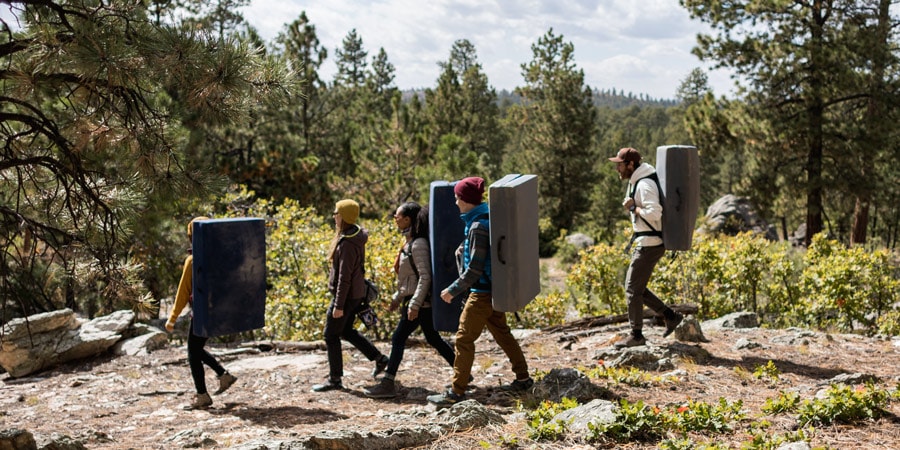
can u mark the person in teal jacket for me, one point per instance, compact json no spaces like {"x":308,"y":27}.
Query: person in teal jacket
{"x":478,"y":313}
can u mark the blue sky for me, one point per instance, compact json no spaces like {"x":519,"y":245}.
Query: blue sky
{"x":639,"y":46}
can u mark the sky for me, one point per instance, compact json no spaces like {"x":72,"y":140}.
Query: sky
{"x":636,"y":46}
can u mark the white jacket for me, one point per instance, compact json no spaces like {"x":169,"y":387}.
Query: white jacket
{"x":647,"y":198}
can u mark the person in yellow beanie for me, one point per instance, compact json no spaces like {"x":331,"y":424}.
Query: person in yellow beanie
{"x":197,"y":354}
{"x":346,"y":283}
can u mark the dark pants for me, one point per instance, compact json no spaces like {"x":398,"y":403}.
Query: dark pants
{"x":335,"y":329}
{"x":197,"y":356}
{"x":643,"y":260}
{"x":406,"y":327}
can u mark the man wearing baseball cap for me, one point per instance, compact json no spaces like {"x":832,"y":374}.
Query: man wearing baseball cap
{"x":644,"y":205}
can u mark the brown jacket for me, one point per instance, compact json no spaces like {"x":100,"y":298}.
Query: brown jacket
{"x":346,"y":279}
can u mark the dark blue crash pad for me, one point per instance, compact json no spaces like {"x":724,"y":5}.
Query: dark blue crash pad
{"x":446,"y":232}
{"x":229,"y":279}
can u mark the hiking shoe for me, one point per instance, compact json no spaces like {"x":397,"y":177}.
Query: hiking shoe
{"x":225,"y":382}
{"x":518,"y":385}
{"x":201,"y":401}
{"x":672,"y":323}
{"x":631,"y":342}
{"x":329,"y":385}
{"x":380,"y":365}
{"x":446,"y":399}
{"x":385,"y":389}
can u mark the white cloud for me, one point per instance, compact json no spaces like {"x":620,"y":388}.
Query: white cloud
{"x":640,"y":46}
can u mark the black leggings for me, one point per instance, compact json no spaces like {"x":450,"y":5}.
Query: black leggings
{"x":197,"y":356}
{"x":406,"y":327}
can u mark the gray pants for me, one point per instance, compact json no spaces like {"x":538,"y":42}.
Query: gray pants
{"x":643,"y":260}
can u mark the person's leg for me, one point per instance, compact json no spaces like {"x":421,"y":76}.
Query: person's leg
{"x":502,"y":334}
{"x":354,"y":337}
{"x":650,"y":256}
{"x":426,"y":321}
{"x":195,"y":359}
{"x":471,"y":324}
{"x":332,"y":335}
{"x":642,"y":262}
{"x":398,"y":342}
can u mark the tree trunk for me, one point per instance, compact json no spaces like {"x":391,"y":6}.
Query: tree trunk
{"x":860,"y":221}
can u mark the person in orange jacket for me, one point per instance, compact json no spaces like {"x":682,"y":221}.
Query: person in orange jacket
{"x":197,"y":354}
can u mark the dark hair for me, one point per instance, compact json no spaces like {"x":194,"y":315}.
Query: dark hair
{"x":420,"y":224}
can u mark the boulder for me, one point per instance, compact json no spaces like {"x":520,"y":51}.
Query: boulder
{"x":14,"y":439}
{"x":594,"y":412}
{"x":41,"y":341}
{"x":569,"y":383}
{"x":741,"y":319}
{"x":732,"y":215}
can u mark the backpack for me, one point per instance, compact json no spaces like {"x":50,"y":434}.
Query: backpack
{"x":677,"y":179}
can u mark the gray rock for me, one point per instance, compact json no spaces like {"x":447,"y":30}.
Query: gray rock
{"x":569,"y":383}
{"x":801,"y":445}
{"x":142,"y":344}
{"x":466,"y":414}
{"x":746,"y":344}
{"x":732,"y":215}
{"x":45,"y":340}
{"x":59,"y":442}
{"x":580,"y":241}
{"x":734,"y":320}
{"x":851,"y":379}
{"x":596,"y":412}
{"x":689,"y":330}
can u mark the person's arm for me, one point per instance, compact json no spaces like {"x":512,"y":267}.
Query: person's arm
{"x":647,"y":202}
{"x":183,"y":294}
{"x":421,"y":258}
{"x":479,"y":252}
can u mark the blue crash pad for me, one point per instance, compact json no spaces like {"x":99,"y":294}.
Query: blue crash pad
{"x":446,"y":232}
{"x":229,"y":279}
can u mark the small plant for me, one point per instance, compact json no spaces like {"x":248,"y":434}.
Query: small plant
{"x":786,"y":402}
{"x":634,"y":421}
{"x":844,"y":404}
{"x":701,"y":416}
{"x":768,"y":371}
{"x":542,"y":427}
{"x":630,"y":376}
{"x":762,"y":440}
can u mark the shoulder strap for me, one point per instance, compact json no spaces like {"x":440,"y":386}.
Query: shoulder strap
{"x":655,"y":232}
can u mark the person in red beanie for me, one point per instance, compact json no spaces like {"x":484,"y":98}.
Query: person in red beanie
{"x":478,"y":313}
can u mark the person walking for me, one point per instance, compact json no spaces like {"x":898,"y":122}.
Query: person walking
{"x":197,"y":354}
{"x":478,"y":312}
{"x":346,"y":283}
{"x":642,"y":201}
{"x":413,"y":295}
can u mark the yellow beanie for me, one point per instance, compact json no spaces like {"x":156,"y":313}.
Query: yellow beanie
{"x":191,"y":225}
{"x":348,"y":209}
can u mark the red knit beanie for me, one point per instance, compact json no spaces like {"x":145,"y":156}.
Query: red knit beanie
{"x":470,"y":190}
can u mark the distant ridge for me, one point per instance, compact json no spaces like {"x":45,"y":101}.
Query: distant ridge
{"x":611,"y":98}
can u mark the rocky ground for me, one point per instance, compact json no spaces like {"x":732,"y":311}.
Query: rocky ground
{"x":135,"y":401}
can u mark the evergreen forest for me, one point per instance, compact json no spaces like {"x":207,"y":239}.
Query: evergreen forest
{"x":121,"y":120}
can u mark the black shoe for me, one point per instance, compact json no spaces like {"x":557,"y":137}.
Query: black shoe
{"x":385,"y":389}
{"x":632,"y":341}
{"x":446,"y":399}
{"x":329,"y":385}
{"x":518,"y":385}
{"x":380,"y":365}
{"x":672,"y":323}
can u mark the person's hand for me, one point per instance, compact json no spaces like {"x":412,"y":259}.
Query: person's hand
{"x":337,"y":313}
{"x":170,"y":327}
{"x":412,"y":314}
{"x":446,"y":296}
{"x":628,"y":203}
{"x":394,"y":305}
